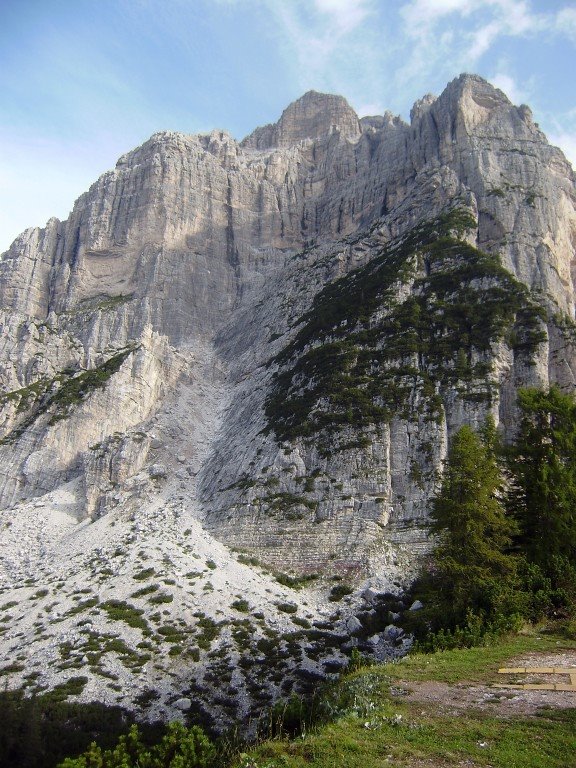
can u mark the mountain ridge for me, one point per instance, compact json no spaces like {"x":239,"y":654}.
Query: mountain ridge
{"x":265,"y":346}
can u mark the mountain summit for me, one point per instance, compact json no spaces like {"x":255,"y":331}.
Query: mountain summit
{"x":312,"y":116}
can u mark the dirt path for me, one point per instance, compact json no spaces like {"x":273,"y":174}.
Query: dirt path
{"x":506,"y":702}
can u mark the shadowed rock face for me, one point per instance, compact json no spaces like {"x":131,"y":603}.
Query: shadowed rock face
{"x":200,"y":259}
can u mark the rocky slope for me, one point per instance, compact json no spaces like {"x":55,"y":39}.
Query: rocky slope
{"x":264,"y":345}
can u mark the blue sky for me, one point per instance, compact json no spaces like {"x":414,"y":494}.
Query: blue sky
{"x":82,"y":81}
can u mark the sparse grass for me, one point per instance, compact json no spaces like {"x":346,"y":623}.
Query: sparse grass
{"x":479,"y":664}
{"x":295,"y":582}
{"x":72,"y":687}
{"x":209,"y":631}
{"x":82,"y":606}
{"x":11,"y":669}
{"x":146,"y":590}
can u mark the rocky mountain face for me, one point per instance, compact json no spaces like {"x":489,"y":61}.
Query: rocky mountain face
{"x":264,"y":346}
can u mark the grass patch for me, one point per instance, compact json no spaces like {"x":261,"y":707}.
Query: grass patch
{"x":362,"y":722}
{"x":339,"y":591}
{"x":146,"y":590}
{"x":159,"y":599}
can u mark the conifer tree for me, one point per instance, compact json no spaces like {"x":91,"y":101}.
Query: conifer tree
{"x":542,"y":496}
{"x":471,"y":572}
{"x":543,"y":469}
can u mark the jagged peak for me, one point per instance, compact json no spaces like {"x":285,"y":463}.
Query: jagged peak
{"x":311,"y":116}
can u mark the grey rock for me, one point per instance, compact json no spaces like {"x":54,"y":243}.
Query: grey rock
{"x":392,"y":632}
{"x":353,"y":625}
{"x":417,"y":605}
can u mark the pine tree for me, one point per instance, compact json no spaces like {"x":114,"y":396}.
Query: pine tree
{"x":543,"y":469}
{"x":471,"y":571}
{"x":542,"y":494}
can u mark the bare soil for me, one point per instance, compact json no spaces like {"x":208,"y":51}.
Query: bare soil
{"x":505,"y":702}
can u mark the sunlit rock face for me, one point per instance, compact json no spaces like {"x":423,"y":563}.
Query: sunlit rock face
{"x":276,"y":339}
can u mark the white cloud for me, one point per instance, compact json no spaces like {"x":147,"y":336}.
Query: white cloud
{"x":566,"y":140}
{"x":370,"y":108}
{"x":456,"y":35}
{"x":506,"y":17}
{"x":419,"y":15}
{"x":329,"y":44}
{"x":510,"y":87}
{"x":345,"y":15}
{"x":561,"y":131}
{"x":566,"y":22}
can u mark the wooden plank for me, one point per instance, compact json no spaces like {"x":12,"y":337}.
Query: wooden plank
{"x":538,"y":670}
{"x":541,"y":670}
{"x":512,"y":671}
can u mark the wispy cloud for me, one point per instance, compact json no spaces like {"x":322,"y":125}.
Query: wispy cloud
{"x":516,"y":93}
{"x":566,"y":140}
{"x":344,"y":15}
{"x":316,"y":30}
{"x":563,"y":134}
{"x":480,"y":24}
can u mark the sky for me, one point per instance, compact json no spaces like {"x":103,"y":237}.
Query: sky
{"x":83,"y":81}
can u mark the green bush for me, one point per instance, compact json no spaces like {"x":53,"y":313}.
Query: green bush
{"x":180,"y":748}
{"x":339,"y":591}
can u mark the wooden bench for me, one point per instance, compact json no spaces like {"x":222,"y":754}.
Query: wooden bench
{"x":570,"y":671}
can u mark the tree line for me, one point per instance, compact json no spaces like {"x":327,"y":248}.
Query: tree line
{"x":504,"y":522}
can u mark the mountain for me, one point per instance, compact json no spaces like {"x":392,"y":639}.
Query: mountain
{"x":235,"y":370}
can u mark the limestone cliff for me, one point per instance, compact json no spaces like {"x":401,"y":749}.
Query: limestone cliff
{"x":275,"y":339}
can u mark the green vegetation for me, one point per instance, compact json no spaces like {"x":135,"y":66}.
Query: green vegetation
{"x":72,"y":687}
{"x":295,"y":582}
{"x":209,"y":631}
{"x":75,"y":389}
{"x":543,"y":466}
{"x":361,"y":352}
{"x":287,"y":607}
{"x":161,"y":597}
{"x":339,"y":591}
{"x":40,"y":731}
{"x":144,"y":574}
{"x":179,"y":748}
{"x":367,"y":720}
{"x":471,"y":572}
{"x":241,"y":605}
{"x":118,"y":610}
{"x":59,"y":394}
{"x":501,"y":558}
